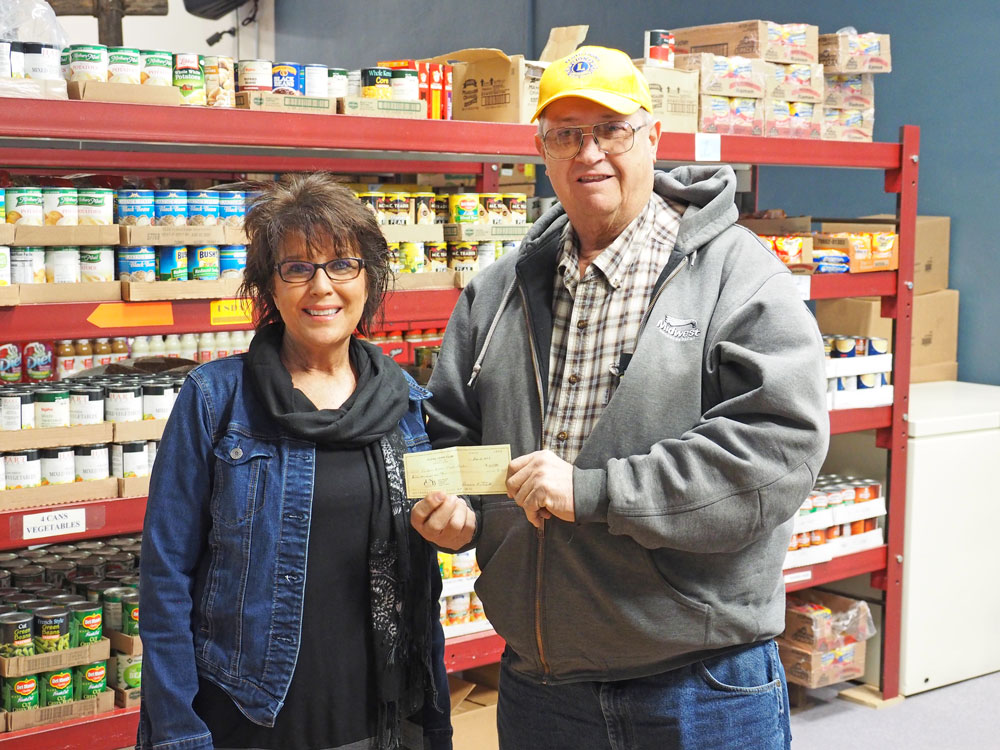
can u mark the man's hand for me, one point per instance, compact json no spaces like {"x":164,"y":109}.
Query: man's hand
{"x":541,"y":483}
{"x":445,"y":521}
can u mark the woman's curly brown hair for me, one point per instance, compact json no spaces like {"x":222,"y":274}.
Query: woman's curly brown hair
{"x":325,"y":214}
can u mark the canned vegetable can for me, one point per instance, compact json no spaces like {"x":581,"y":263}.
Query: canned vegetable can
{"x":51,"y":629}
{"x":156,"y":67}
{"x":128,"y":671}
{"x":15,"y":634}
{"x":86,"y":623}
{"x":90,"y":680}
{"x":20,"y":693}
{"x":130,"y":612}
{"x":56,"y":687}
{"x":189,"y":77}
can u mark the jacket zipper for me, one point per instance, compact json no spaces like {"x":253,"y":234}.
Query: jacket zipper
{"x":659,"y":291}
{"x":540,"y":531}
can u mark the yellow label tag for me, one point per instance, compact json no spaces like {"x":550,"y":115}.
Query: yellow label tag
{"x":230,"y":312}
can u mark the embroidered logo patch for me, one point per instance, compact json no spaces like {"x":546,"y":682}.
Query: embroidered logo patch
{"x":679,"y":328}
{"x":581,"y":65}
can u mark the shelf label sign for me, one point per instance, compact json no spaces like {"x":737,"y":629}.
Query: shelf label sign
{"x":54,"y":523}
{"x":132,"y":315}
{"x":707,"y":147}
{"x":805,"y":575}
{"x":231,"y":312}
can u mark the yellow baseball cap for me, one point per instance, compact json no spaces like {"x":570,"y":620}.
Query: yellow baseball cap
{"x":600,"y":74}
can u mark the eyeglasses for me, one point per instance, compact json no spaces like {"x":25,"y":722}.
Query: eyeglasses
{"x":338,"y":269}
{"x":611,"y":137}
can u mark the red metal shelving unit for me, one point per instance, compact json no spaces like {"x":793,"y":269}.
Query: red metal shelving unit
{"x":53,"y":136}
{"x":112,"y":517}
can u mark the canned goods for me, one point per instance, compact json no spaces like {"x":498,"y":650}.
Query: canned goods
{"x":204,"y":262}
{"x":51,"y":630}
{"x":52,"y":408}
{"x":86,"y":623}
{"x":398,"y":209}
{"x":123,"y":403}
{"x":96,"y":206}
{"x":395,"y":257}
{"x":136,"y":264}
{"x":86,"y":405}
{"x":354,"y":83}
{"x":336,"y":83}
{"x":90,"y":463}
{"x":124,"y":65}
{"x":476,"y":612}
{"x":80,"y":585}
{"x":869,"y":380}
{"x":203,"y":208}
{"x":136,"y":207}
{"x":112,"y":601}
{"x":20,"y":693}
{"x":92,"y":565}
{"x":130,"y":612}
{"x":89,"y":680}
{"x":157,"y":400}
{"x":457,"y":609}
{"x":517,"y":207}
{"x":220,"y":81}
{"x":253,"y":75}
{"x":130,"y":459}
{"x":171,"y":263}
{"x":62,"y":265}
{"x":376,"y":83}
{"x":4,"y":256}
{"x":41,"y":61}
{"x":57,"y":573}
{"x":121,"y":562}
{"x":314,"y":80}
{"x":463,"y":256}
{"x":486,"y":253}
{"x":17,"y":407}
{"x":189,"y":77}
{"x":843,"y":346}
{"x":24,"y":205}
{"x":405,"y":85}
{"x":27,"y":265}
{"x":56,"y":687}
{"x":11,"y":59}
{"x":463,"y":208}
{"x":463,"y":564}
{"x":878,"y":345}
{"x":170,"y":208}
{"x":232,"y":260}
{"x":437,"y":256}
{"x":97,"y":264}
{"x":660,"y":46}
{"x":59,"y":207}
{"x":860,"y":346}
{"x":442,"y":212}
{"x":507,"y":246}
{"x":38,"y":362}
{"x":22,"y":469}
{"x":412,"y":257}
{"x":847,"y":383}
{"x":492,"y":209}
{"x":287,"y":78}
{"x":156,"y":68}
{"x":128,"y":671}
{"x":58,"y":466}
{"x":376,"y":203}
{"x":232,"y":208}
{"x":88,"y":62}
{"x":16,"y":635}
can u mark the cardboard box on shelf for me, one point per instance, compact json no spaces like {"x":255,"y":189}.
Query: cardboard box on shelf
{"x":788,"y":225}
{"x":848,"y":124}
{"x":130,"y":645}
{"x":813,"y":669}
{"x":133,"y":235}
{"x":7,"y":233}
{"x":36,"y":717}
{"x":147,"y":429}
{"x":730,"y":115}
{"x":33,"y":88}
{"x":80,"y":235}
{"x":84,"y":291}
{"x":485,"y":232}
{"x":58,"y":494}
{"x":267,"y":101}
{"x":126,"y":93}
{"x":789,"y":43}
{"x":784,"y":119}
{"x":930,"y":251}
{"x":142,"y":291}
{"x":834,"y":621}
{"x":935,"y":323}
{"x":133,"y":487}
{"x":126,"y":698}
{"x":53,"y":437}
{"x":934,"y":373}
{"x":728,"y":76}
{"x":366,"y":107}
{"x":17,"y":666}
{"x":849,"y":91}
{"x":675,"y":97}
{"x":428,"y":280}
{"x":413,"y":232}
{"x":10,"y":295}
{"x":796,"y":83}
{"x":855,"y":53}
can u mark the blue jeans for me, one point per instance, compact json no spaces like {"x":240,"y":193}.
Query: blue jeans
{"x":738,"y":701}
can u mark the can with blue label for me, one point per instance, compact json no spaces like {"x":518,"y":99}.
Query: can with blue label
{"x":232,"y":208}
{"x":136,"y":264}
{"x":170,"y":208}
{"x":847,"y":383}
{"x":232,"y":260}
{"x":171,"y":263}
{"x":203,"y":262}
{"x":878,"y":345}
{"x":136,"y":208}
{"x":203,"y":208}
{"x":287,"y":78}
{"x":869,"y":380}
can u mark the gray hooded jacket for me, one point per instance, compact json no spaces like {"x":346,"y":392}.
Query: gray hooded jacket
{"x":685,"y":489}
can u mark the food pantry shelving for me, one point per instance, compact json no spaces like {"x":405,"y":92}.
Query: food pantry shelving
{"x":49,"y":137}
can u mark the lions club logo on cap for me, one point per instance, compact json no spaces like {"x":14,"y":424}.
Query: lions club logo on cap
{"x":580,"y":66}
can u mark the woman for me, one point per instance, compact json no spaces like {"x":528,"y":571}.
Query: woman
{"x":286,"y":602}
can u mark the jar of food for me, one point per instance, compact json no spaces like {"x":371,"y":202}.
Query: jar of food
{"x":85,"y":352}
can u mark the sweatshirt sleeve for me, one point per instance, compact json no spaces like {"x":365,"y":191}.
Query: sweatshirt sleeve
{"x":747,"y":465}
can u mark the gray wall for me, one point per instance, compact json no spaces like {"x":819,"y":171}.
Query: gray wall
{"x":944,"y":80}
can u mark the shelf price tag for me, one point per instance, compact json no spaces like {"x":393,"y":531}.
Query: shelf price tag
{"x":231,"y":312}
{"x":707,"y":147}
{"x":54,"y":523}
{"x":132,"y":315}
{"x":804,"y":575}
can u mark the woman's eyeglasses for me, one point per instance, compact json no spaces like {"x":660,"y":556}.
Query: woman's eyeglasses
{"x":338,"y":269}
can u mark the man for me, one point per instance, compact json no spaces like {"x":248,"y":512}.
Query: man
{"x":662,"y":385}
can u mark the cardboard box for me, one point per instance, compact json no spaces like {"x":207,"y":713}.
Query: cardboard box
{"x":934,"y":373}
{"x":935,"y":323}
{"x":364,"y":107}
{"x":848,"y":124}
{"x":751,"y":39}
{"x":848,"y":621}
{"x":128,"y":93}
{"x":849,"y":91}
{"x":413,"y":232}
{"x":31,"y":88}
{"x":53,"y":437}
{"x":133,"y":487}
{"x":147,"y":429}
{"x":130,"y":645}
{"x":855,"y":53}
{"x":58,"y":494}
{"x":485,"y":232}
{"x":727,"y":76}
{"x":813,"y":669}
{"x":84,"y":291}
{"x":232,"y":236}
{"x":783,"y":119}
{"x":126,"y":698}
{"x":133,"y":236}
{"x":730,"y":115}
{"x":18,"y":666}
{"x":80,"y":235}
{"x":473,"y":715}
{"x":7,"y":232}
{"x":267,"y":101}
{"x":788,"y":225}
{"x":408,"y":282}
{"x":139,"y":291}
{"x":517,"y":175}
{"x":675,"y":97}
{"x":930,"y":252}
{"x":801,"y":83}
{"x":75,"y":710}
{"x":861,"y":261}
{"x":10,"y":295}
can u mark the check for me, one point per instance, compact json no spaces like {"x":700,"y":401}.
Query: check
{"x":463,"y":470}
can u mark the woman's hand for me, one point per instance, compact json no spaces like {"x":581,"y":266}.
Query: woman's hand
{"x":445,"y":521}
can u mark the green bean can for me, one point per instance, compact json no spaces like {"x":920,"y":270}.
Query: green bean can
{"x":56,"y":687}
{"x":130,"y":612}
{"x":112,"y":599}
{"x":85,"y":623}
{"x":128,"y":671}
{"x":20,"y":693}
{"x":15,"y":634}
{"x":90,"y":680}
{"x":51,"y":630}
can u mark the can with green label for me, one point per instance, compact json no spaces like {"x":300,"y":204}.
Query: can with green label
{"x":90,"y":680}
{"x":130,"y":612}
{"x":124,"y":65}
{"x":128,"y":671}
{"x":189,"y":77}
{"x":85,"y":623}
{"x":15,"y":634}
{"x":156,"y":67}
{"x":112,"y":599}
{"x":51,"y":629}
{"x":20,"y":693}
{"x":56,"y":687}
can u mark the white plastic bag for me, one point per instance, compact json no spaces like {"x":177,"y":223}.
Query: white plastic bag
{"x":31,"y":21}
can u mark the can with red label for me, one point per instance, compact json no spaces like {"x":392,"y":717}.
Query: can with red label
{"x":660,"y":46}
{"x":10,"y":363}
{"x":39,"y":361}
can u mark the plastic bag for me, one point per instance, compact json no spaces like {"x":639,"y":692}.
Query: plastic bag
{"x":31,"y":21}
{"x":824,"y":621}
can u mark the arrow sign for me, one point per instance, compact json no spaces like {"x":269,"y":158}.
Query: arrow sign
{"x":132,"y":315}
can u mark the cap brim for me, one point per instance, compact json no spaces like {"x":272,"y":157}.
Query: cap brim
{"x":621,"y":104}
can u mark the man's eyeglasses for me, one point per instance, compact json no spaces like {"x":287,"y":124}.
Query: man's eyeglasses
{"x":611,"y":137}
{"x":338,"y":269}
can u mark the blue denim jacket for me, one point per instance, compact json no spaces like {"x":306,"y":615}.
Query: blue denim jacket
{"x":224,"y":555}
